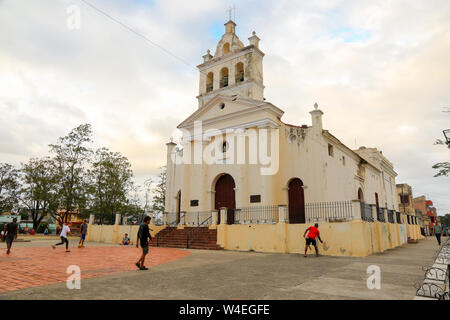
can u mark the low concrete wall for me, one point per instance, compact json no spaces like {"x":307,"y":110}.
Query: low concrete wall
{"x":115,"y":233}
{"x":356,"y":238}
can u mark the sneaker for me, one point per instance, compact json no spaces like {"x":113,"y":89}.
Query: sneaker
{"x":53,"y":246}
{"x":67,"y":250}
{"x":143,"y":268}
{"x":138,"y":265}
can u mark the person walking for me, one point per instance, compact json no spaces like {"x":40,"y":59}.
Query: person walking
{"x":142,"y":238}
{"x":10,"y":234}
{"x":63,"y":235}
{"x":311,"y":238}
{"x":437,"y":232}
{"x":83,"y":231}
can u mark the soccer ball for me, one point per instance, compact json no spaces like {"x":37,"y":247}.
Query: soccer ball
{"x":80,"y":245}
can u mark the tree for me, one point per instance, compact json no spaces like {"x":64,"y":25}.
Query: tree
{"x":443,"y":167}
{"x":159,"y":198}
{"x":445,"y":220}
{"x":9,"y":185}
{"x":111,"y":181}
{"x":71,"y":155}
{"x":38,"y":194}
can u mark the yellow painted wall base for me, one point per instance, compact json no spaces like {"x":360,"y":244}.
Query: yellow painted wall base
{"x":356,"y":238}
{"x":115,"y":233}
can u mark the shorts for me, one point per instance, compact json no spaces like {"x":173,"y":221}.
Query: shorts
{"x":9,"y":240}
{"x":145,"y":250}
{"x":310,"y":241}
{"x":83,"y":237}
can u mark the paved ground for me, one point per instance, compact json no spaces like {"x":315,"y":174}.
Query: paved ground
{"x":201,"y":274}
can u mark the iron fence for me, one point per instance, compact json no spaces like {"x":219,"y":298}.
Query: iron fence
{"x":172,"y":218}
{"x":256,"y":214}
{"x":197,"y":218}
{"x":333,"y":211}
{"x":380,"y":215}
{"x":366,"y":212}
{"x":391,"y":216}
{"x":399,"y":217}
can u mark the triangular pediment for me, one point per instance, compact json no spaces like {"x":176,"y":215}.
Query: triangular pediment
{"x":221,"y":111}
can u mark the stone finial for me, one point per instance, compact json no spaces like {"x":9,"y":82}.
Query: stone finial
{"x":254,"y":33}
{"x":316,"y":106}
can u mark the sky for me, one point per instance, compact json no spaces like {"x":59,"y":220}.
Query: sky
{"x":379,"y":70}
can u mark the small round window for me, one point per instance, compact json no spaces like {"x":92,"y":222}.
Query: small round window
{"x":222,"y":106}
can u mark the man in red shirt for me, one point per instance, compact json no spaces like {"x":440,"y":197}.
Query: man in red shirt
{"x":311,"y":238}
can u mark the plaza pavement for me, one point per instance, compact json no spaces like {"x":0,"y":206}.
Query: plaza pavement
{"x":35,"y":271}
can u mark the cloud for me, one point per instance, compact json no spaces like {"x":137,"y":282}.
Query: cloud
{"x":378,"y":69}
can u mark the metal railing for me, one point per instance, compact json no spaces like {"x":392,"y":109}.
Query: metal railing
{"x":333,"y":211}
{"x":203,"y":223}
{"x":399,"y":217}
{"x":366,"y":212}
{"x":197,"y":218}
{"x":380,"y":215}
{"x":256,"y":214}
{"x":390,"y":214}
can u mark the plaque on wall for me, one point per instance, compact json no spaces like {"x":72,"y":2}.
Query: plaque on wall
{"x":194,"y":203}
{"x":255,"y":198}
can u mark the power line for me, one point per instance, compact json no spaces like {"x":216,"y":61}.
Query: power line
{"x":136,"y":32}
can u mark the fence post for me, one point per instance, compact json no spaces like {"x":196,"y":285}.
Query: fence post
{"x":117,"y":219}
{"x":356,"y":204}
{"x":165,"y":218}
{"x":124,"y":220}
{"x":385,"y":214}
{"x":91,"y":219}
{"x":223,"y":215}
{"x":374,"y":212}
{"x":282,"y":214}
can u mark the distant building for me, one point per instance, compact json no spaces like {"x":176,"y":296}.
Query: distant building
{"x":428,"y":212}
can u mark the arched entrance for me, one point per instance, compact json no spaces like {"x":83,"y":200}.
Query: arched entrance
{"x":225,"y":196}
{"x":360,"y":195}
{"x":296,"y":201}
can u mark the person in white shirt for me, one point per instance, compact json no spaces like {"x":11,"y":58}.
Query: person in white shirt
{"x":63,"y":235}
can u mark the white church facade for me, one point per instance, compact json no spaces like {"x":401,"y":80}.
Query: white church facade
{"x":238,"y":156}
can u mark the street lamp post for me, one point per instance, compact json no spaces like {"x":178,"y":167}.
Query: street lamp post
{"x":447,"y":136}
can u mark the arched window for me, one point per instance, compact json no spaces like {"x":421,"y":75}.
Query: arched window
{"x":226,"y":48}
{"x":209,"y":82}
{"x":224,"y":77}
{"x":360,"y":195}
{"x":239,"y":72}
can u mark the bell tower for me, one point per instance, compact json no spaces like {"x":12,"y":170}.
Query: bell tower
{"x":234,"y":69}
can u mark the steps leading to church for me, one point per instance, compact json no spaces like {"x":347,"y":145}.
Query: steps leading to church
{"x":189,"y":237}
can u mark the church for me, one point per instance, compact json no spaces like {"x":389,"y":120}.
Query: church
{"x":237,"y":153}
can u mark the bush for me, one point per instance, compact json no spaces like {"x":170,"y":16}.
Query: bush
{"x":42,"y":227}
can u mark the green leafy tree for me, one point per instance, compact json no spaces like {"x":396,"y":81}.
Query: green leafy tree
{"x":111,"y":181}
{"x":71,"y":156}
{"x":38,"y":192}
{"x":159,"y":198}
{"x":442,"y":167}
{"x":9,"y":185}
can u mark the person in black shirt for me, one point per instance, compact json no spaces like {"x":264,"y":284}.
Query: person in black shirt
{"x":11,"y":234}
{"x":142,"y":237}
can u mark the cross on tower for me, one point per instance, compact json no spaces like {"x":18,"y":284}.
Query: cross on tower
{"x":232,"y":10}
